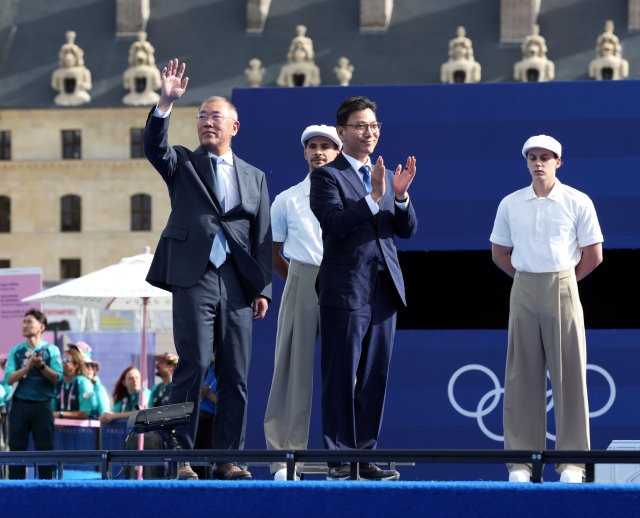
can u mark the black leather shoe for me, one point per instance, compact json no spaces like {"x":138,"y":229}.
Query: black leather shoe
{"x":230,"y":471}
{"x":373,"y":472}
{"x":341,"y":473}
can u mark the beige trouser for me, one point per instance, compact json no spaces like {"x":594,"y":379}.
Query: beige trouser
{"x":286,"y":423}
{"x":546,"y":330}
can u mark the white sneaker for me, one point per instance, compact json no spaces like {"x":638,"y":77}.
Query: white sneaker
{"x":569,"y":476}
{"x":281,"y":474}
{"x":520,"y":475}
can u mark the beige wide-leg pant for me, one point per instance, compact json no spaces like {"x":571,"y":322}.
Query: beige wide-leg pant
{"x":286,"y":423}
{"x":546,"y":330}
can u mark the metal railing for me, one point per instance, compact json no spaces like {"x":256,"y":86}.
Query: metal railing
{"x":106,"y":458}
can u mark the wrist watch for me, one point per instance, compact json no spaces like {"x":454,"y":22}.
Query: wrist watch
{"x":43,"y":366}
{"x":61,"y":414}
{"x":401,"y":201}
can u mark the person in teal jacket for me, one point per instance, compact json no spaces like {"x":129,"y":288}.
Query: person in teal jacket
{"x":101,"y":401}
{"x":126,"y":395}
{"x":165,"y":365}
{"x":33,"y":369}
{"x":74,"y":393}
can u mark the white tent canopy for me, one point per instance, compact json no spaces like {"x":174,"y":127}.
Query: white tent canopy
{"x":120,"y":286}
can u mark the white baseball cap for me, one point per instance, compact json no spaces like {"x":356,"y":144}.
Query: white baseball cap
{"x":543,"y":141}
{"x":321,"y":131}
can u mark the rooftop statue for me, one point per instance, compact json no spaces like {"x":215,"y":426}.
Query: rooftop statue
{"x":461,"y":67}
{"x":301,"y":69}
{"x":344,"y":71}
{"x":609,"y":63}
{"x":534,"y":67}
{"x":142,"y":77}
{"x":255,"y":72}
{"x":72,"y":79}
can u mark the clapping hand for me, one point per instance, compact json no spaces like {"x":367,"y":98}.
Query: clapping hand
{"x":173,"y":85}
{"x":403,"y":178}
{"x":377,"y":180}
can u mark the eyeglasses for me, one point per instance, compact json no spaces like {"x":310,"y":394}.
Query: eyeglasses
{"x":66,"y":360}
{"x":202,"y":117}
{"x":361,"y":127}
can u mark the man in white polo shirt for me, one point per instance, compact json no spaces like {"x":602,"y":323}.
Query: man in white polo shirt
{"x":547,"y":237}
{"x":296,"y":232}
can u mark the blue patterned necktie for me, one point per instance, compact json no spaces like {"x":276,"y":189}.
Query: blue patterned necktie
{"x":218,"y":253}
{"x":366,"y":176}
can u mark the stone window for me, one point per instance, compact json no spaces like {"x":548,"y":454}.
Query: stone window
{"x":140,"y":212}
{"x":137,"y":150}
{"x":5,"y":214}
{"x":72,"y":144}
{"x":5,"y":145}
{"x":69,"y":268}
{"x":5,"y":263}
{"x":70,"y":214}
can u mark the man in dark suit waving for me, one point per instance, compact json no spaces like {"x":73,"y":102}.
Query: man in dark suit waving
{"x":218,"y":204}
{"x":360,"y":209}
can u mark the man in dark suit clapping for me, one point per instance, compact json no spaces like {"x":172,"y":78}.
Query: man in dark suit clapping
{"x":219,"y":203}
{"x":360,"y":209}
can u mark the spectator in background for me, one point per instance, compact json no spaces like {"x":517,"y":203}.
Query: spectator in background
{"x":4,"y":422}
{"x":126,"y":395}
{"x":101,"y":402}
{"x":33,"y":369}
{"x":165,"y":365}
{"x":74,"y":393}
{"x":205,"y":419}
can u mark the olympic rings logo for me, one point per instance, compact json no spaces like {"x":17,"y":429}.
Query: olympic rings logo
{"x":497,"y":391}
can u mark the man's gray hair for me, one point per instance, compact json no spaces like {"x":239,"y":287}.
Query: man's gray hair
{"x":230,"y":105}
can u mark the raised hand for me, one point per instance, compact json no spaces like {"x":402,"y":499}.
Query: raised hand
{"x":403,"y":178}
{"x":377,"y":180}
{"x":173,"y":85}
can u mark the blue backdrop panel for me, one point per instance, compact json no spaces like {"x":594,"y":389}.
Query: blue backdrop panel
{"x":420,"y":412}
{"x":468,"y":141}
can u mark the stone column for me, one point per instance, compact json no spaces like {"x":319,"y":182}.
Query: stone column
{"x":257,"y":11}
{"x":634,"y":15}
{"x":516,"y":19}
{"x":131,"y":17}
{"x":375,"y":15}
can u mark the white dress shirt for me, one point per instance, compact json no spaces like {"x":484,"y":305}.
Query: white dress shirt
{"x":226,"y":171}
{"x":372,"y":204}
{"x":546,"y":233}
{"x":293,"y":224}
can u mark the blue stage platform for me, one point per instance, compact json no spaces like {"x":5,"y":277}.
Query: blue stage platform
{"x":315,"y":499}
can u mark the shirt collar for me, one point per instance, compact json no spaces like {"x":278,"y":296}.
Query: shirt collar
{"x":554,"y":194}
{"x":306,"y":185}
{"x":355,"y":163}
{"x":227,"y":157}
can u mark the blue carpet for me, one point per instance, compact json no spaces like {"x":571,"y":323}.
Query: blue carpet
{"x":315,"y":499}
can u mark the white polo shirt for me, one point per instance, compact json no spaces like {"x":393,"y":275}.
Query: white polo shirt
{"x":293,"y":224}
{"x":546,"y":233}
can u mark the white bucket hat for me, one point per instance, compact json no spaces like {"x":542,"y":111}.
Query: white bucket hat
{"x":321,"y":131}
{"x":543,"y":141}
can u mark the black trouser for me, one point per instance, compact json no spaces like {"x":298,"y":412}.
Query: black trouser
{"x":203,"y":439}
{"x":213,"y":316}
{"x":33,"y":417}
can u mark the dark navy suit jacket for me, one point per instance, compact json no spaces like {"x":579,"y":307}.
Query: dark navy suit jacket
{"x":353,"y":237}
{"x":196,"y":215}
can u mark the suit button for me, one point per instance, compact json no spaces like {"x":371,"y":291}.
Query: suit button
{"x":212,"y":235}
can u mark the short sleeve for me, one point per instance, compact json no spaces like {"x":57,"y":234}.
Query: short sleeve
{"x":279,"y":220}
{"x":151,"y":396}
{"x":104,"y":405}
{"x":501,"y":234}
{"x":55,"y":360}
{"x":588,"y":228}
{"x":85,"y":395}
{"x":117,"y":407}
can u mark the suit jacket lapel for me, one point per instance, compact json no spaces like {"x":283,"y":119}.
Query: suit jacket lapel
{"x":243,"y":182}
{"x":351,"y":175}
{"x":202,"y":165}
